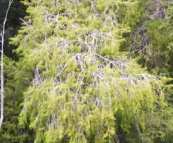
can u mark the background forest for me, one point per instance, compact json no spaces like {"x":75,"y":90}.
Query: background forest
{"x":88,"y":71}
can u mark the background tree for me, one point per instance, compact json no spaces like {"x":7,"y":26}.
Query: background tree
{"x":2,"y":63}
{"x":16,"y":78}
{"x":152,"y":41}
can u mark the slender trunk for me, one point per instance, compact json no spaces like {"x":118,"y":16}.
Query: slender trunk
{"x":2,"y":64}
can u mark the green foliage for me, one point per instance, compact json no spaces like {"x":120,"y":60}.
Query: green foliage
{"x":84,"y":89}
{"x":13,"y":23}
{"x":152,"y":40}
{"x":16,"y":81}
{"x":161,"y":38}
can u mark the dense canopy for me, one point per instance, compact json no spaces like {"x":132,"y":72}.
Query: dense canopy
{"x":87,"y":71}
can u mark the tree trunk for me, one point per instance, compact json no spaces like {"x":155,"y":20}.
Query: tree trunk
{"x":2,"y":64}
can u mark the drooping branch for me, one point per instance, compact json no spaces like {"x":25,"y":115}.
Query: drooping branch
{"x":2,"y":63}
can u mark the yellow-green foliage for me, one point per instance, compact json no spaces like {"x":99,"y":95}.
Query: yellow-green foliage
{"x":84,"y":89}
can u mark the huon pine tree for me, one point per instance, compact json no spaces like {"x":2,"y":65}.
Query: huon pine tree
{"x":84,"y":89}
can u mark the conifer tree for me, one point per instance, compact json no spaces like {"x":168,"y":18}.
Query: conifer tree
{"x":152,"y":40}
{"x":84,"y":89}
